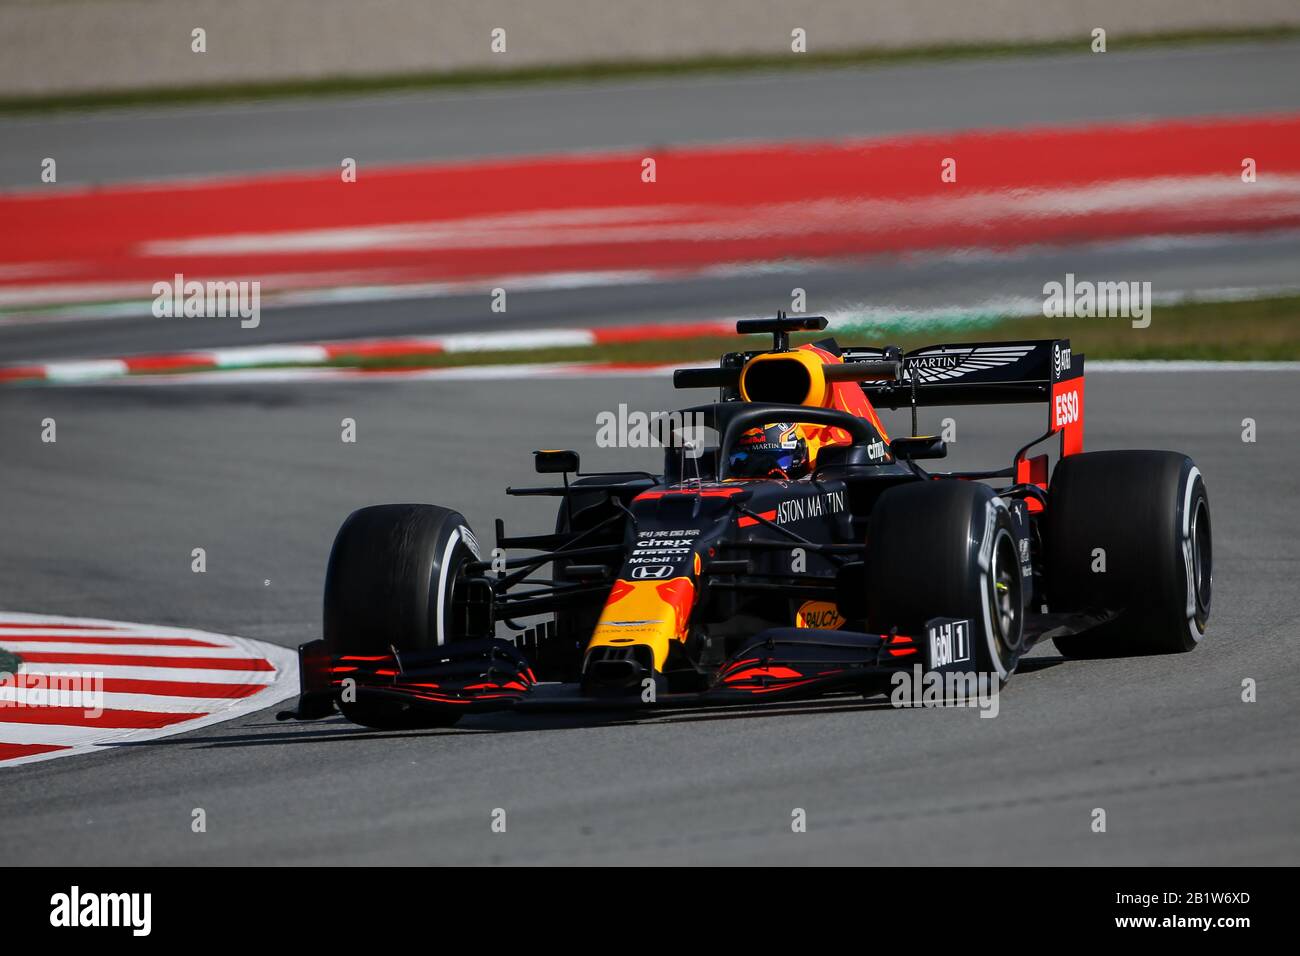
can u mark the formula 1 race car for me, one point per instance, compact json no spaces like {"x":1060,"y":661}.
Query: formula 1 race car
{"x":711,"y":583}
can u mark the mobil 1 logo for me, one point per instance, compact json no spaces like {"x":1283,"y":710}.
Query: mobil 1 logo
{"x":949,"y":641}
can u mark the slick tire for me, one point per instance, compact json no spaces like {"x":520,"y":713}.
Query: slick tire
{"x":391,"y":583}
{"x":1146,"y":515}
{"x":947,"y":549}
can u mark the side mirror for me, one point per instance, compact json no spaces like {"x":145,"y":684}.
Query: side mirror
{"x":554,"y":462}
{"x":919,"y":447}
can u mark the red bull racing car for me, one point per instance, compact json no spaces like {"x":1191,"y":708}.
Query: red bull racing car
{"x":790,"y":548}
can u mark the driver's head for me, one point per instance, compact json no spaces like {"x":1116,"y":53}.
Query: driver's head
{"x":773,"y":451}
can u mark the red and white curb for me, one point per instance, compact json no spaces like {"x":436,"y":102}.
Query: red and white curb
{"x":468,"y":373}
{"x":254,"y":356}
{"x":86,"y":684}
{"x":305,"y":362}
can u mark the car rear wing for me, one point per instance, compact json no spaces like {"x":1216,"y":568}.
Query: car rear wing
{"x":970,"y":373}
{"x":985,"y":373}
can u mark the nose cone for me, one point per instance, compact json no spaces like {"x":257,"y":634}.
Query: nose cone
{"x":644,"y":617}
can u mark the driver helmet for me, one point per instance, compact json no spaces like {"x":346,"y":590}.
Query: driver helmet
{"x":773,"y":451}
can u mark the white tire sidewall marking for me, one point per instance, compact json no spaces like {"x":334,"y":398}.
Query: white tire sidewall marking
{"x":1186,"y":545}
{"x":986,"y":573}
{"x":442,"y":584}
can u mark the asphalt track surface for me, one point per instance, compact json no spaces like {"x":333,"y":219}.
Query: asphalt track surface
{"x":103,"y":522}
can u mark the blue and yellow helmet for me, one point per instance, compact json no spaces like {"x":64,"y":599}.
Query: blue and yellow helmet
{"x":773,"y":451}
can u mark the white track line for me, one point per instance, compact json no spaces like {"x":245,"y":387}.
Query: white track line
{"x":21,"y":648}
{"x":11,"y":697}
{"x":140,"y":672}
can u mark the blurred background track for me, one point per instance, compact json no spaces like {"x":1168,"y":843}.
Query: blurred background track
{"x":936,"y":105}
{"x":146,"y":143}
{"x":101,"y":46}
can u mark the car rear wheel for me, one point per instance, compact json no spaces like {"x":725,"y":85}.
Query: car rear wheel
{"x":1129,"y":531}
{"x":391,"y":583}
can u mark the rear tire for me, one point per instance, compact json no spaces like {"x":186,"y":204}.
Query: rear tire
{"x":390,"y":584}
{"x":947,"y":549}
{"x":1149,"y":514}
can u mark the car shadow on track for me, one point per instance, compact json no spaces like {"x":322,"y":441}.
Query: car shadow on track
{"x":337,"y":730}
{"x":1032,"y":665}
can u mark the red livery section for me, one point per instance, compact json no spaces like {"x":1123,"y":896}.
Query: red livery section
{"x":707,"y":206}
{"x":1066,"y":413}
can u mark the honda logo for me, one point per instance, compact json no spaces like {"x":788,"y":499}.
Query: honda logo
{"x":655,"y":571}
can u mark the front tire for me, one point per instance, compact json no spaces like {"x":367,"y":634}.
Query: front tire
{"x":948,"y":549}
{"x":391,"y":584}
